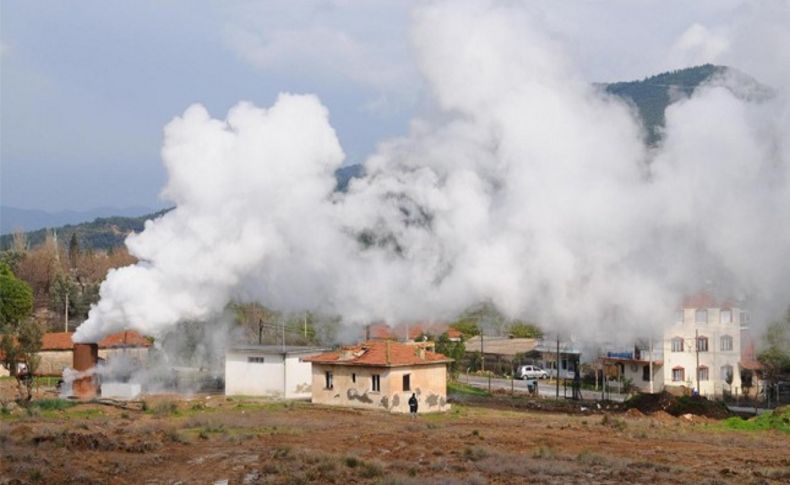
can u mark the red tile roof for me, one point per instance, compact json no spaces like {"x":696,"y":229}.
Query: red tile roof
{"x":701,"y":299}
{"x":409,"y":331}
{"x":62,"y":340}
{"x":378,"y":353}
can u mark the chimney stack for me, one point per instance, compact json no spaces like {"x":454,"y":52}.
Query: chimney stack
{"x":86,"y":356}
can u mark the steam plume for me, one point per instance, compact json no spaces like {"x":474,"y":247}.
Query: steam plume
{"x":531,"y":189}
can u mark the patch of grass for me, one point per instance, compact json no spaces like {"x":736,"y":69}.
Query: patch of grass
{"x":475,"y":453}
{"x":53,"y":404}
{"x":614,"y":423}
{"x":466,"y":390}
{"x":544,"y":452}
{"x":778,"y":419}
{"x":370,"y":470}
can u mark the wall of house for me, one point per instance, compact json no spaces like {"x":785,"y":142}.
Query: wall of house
{"x":299,"y":378}
{"x":245,"y":378}
{"x":714,"y":359}
{"x":53,"y":362}
{"x":267,"y":378}
{"x":635,"y":372}
{"x":353,"y":387}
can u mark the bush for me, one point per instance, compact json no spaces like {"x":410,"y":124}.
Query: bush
{"x":53,"y":404}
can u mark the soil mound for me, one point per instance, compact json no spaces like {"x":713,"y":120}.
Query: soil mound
{"x":678,"y":406}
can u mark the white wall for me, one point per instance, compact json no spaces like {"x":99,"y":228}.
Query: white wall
{"x":714,"y":359}
{"x":244,"y":378}
{"x":251,"y":378}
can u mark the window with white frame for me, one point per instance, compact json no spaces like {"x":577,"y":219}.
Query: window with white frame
{"x":677,"y":344}
{"x":702,"y":344}
{"x":725,"y":316}
{"x":678,"y":374}
{"x":702,"y":373}
{"x":701,"y":316}
{"x":254,"y":359}
{"x":726,"y":343}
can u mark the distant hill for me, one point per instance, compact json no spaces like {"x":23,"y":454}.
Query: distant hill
{"x":101,"y":233}
{"x":652,"y":95}
{"x":15,"y":219}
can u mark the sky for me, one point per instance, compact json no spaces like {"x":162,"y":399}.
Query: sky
{"x":87,"y":87}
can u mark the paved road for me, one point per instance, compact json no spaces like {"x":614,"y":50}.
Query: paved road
{"x":545,"y":388}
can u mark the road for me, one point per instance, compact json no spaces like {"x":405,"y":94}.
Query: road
{"x":545,"y":388}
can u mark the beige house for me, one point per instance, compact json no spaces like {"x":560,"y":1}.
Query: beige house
{"x":703,"y":347}
{"x":57,"y":350}
{"x":381,"y":375}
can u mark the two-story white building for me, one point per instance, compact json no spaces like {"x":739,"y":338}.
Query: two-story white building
{"x":702,"y":350}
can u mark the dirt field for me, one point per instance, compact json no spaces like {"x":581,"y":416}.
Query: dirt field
{"x":209,"y":439}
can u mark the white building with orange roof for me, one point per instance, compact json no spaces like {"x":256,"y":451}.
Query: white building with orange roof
{"x":381,"y":374}
{"x":702,"y":349}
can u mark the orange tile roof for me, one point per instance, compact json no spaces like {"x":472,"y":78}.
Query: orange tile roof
{"x":379,"y":354}
{"x":62,"y":340}
{"x":701,"y":299}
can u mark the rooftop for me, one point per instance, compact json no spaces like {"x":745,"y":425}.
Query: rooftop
{"x":275,"y":349}
{"x":62,"y":340}
{"x":384,"y":353}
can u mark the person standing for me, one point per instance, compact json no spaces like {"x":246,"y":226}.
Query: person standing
{"x":413,"y":405}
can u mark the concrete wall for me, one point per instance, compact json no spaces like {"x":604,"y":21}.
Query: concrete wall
{"x":53,"y":362}
{"x":714,"y":359}
{"x":268,"y":378}
{"x":353,"y":387}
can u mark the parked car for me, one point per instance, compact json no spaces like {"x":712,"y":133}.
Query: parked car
{"x":531,"y":372}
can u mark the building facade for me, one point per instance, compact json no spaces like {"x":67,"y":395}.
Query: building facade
{"x":702,"y":350}
{"x":269,"y":370}
{"x":381,"y":375}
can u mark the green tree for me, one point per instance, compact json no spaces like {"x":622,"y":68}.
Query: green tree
{"x":775,"y":356}
{"x":20,"y":348}
{"x":468,"y":328}
{"x":74,"y":251}
{"x":453,"y":349}
{"x":16,"y":298}
{"x":521,"y":329}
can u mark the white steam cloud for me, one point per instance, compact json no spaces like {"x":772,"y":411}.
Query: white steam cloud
{"x":530,"y":189}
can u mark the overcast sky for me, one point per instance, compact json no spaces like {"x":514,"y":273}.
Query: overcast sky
{"x":88,"y":86}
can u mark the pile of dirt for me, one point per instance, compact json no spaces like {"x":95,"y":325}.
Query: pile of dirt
{"x":678,"y":406}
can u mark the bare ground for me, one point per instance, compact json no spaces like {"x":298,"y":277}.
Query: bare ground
{"x":207,"y":439}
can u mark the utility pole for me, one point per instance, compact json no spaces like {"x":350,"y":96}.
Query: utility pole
{"x":482,"y":354}
{"x":696,"y":350}
{"x":283,"y":324}
{"x":557,"y":366}
{"x":651,"y":365}
{"x":66,"y":312}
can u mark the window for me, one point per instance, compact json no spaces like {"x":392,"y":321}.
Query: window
{"x":702,"y":344}
{"x":726,"y":373}
{"x":677,"y":344}
{"x":376,"y":383}
{"x":726,"y":343}
{"x":329,"y":381}
{"x":701,"y":316}
{"x":702,"y":373}
{"x":725,"y":316}
{"x":407,"y":382}
{"x":646,"y":373}
{"x":678,"y":374}
{"x":255,"y":360}
{"x":354,"y":377}
{"x":744,"y":318}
